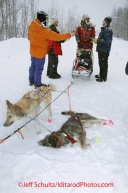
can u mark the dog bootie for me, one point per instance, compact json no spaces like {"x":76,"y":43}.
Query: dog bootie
{"x":109,"y":122}
{"x":50,"y":119}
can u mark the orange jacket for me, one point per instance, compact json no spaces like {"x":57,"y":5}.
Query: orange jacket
{"x":39,"y":36}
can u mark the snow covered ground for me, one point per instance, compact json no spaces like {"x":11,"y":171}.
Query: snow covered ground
{"x":25,"y":166}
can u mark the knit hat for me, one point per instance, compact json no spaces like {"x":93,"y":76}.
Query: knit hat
{"x":108,"y":20}
{"x":85,"y":16}
{"x":52,"y":20}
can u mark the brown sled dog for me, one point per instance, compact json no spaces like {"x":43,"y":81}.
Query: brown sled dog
{"x":29,"y":104}
{"x":73,"y":127}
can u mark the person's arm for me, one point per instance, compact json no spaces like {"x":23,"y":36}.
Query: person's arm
{"x":53,"y":28}
{"x":50,"y":35}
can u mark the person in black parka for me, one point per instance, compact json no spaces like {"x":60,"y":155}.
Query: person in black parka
{"x":103,"y":48}
{"x":54,"y":49}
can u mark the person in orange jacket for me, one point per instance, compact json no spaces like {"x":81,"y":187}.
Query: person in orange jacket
{"x":38,"y":35}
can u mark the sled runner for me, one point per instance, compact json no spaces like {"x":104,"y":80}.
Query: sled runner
{"x":82,"y":65}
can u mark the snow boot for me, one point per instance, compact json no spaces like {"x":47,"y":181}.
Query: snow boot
{"x":37,"y":86}
{"x":101,"y":80}
{"x":97,"y":76}
{"x":31,"y":83}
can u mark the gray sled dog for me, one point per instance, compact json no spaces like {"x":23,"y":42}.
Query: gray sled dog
{"x":72,"y":128}
{"x":29,"y":105}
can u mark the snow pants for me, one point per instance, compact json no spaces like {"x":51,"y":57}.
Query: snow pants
{"x":103,"y":64}
{"x":52,"y":65}
{"x":35,"y":70}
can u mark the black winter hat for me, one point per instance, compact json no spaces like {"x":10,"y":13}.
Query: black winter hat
{"x":108,"y":20}
{"x":42,"y":16}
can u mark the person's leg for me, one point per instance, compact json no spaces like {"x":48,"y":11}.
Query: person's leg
{"x":57,"y":67}
{"x":49,"y":64}
{"x":105,"y":66}
{"x":100,"y":56}
{"x":53,"y":66}
{"x":38,"y":70}
{"x":103,"y":63}
{"x":32,"y":70}
{"x":98,"y":75}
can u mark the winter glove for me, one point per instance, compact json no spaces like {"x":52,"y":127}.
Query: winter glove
{"x":95,"y":40}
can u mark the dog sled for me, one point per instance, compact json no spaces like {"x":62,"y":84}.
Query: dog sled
{"x":82,"y":65}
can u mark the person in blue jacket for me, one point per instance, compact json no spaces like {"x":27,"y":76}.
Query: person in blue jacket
{"x":103,"y":48}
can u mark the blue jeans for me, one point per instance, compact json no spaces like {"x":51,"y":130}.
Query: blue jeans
{"x":35,"y":70}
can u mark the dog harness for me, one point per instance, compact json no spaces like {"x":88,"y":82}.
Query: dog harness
{"x":74,"y":117}
{"x":32,"y":94}
{"x":67,"y":136}
{"x":55,"y":135}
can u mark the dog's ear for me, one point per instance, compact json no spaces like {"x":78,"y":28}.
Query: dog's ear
{"x":9,"y":105}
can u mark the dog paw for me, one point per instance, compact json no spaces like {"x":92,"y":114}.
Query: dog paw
{"x":50,"y":119}
{"x":86,"y":147}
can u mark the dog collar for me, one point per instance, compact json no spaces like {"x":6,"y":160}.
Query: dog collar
{"x":55,"y":135}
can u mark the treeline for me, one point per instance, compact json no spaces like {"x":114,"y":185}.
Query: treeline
{"x":15,"y":16}
{"x":68,"y":19}
{"x":120,"y":21}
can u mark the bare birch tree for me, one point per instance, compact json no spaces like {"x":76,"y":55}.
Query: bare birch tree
{"x":15,"y":16}
{"x":68,"y":20}
{"x":120,"y":22}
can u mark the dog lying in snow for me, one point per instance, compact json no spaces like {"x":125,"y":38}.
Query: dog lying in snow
{"x":72,"y":128}
{"x":29,"y":105}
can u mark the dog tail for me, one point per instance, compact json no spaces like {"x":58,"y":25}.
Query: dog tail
{"x":68,"y":112}
{"x":52,"y":86}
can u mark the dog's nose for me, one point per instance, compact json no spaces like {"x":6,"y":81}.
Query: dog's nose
{"x":5,"y":124}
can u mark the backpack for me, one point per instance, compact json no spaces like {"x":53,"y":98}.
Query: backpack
{"x":126,"y":69}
